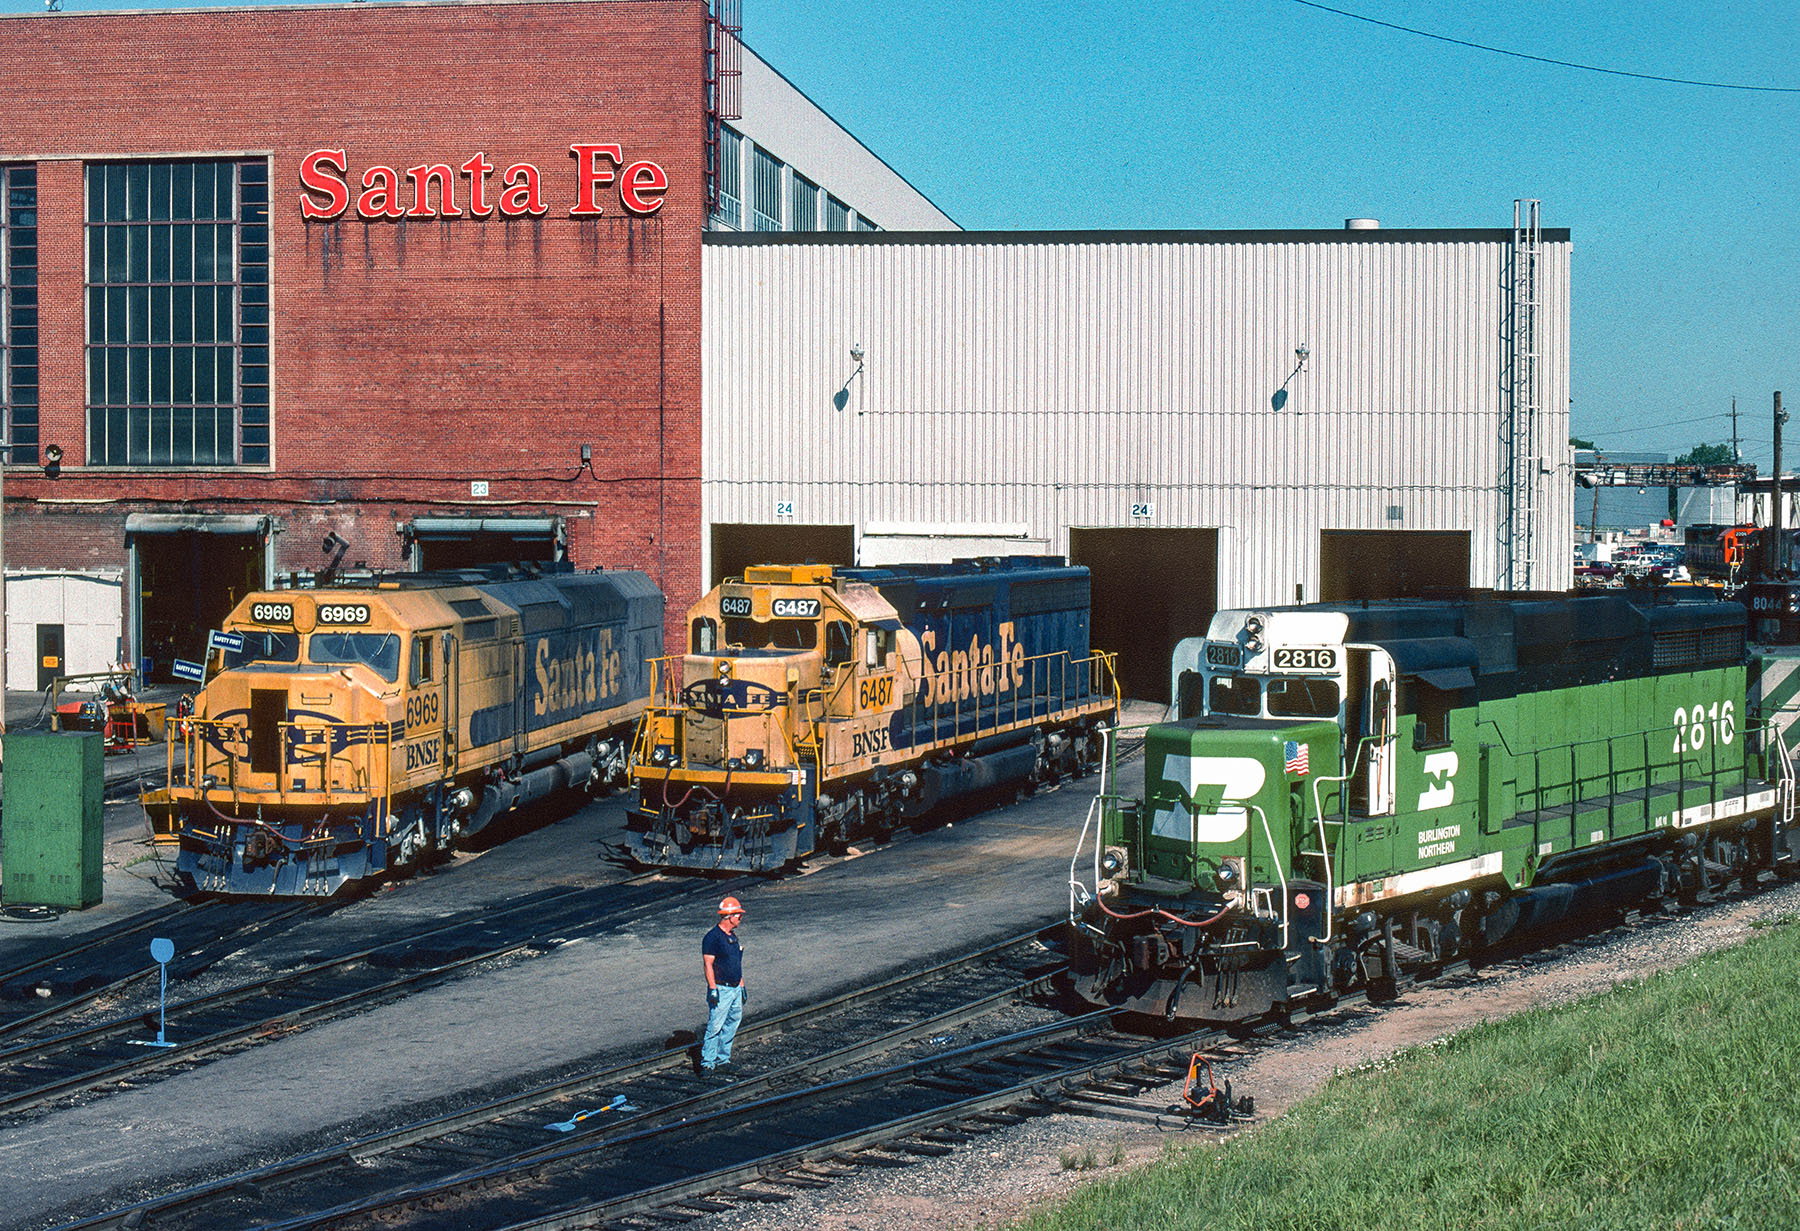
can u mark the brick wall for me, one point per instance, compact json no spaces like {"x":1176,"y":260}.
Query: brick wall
{"x":410,"y":357}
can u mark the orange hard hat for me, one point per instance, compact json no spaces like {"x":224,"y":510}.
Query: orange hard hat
{"x":731,"y":906}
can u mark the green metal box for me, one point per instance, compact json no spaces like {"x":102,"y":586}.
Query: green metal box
{"x":50,"y":820}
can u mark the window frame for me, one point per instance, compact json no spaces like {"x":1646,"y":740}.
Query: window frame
{"x":177,"y":313}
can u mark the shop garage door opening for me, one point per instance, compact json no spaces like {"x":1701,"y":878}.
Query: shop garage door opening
{"x":469,"y":542}
{"x":1356,"y":564}
{"x":1151,"y":589}
{"x":188,"y":583}
{"x":737,"y":547}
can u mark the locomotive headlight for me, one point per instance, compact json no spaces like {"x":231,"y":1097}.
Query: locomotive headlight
{"x":1112,"y":863}
{"x":1253,"y":634}
{"x":753,"y":758}
{"x":1229,"y":874}
{"x":724,"y":669}
{"x":660,"y":754}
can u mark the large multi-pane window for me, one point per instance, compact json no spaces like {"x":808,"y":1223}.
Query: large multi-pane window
{"x":803,"y":203}
{"x":178,"y":313}
{"x":837,"y":214}
{"x":19,"y":312}
{"x":730,"y":211}
{"x":765,"y":189}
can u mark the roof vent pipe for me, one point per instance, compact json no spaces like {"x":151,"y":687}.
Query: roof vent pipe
{"x":1362,"y":224}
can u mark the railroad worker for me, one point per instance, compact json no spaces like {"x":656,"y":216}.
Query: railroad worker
{"x":722,"y":957}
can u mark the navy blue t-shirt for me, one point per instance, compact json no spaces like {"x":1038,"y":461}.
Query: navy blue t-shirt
{"x":727,"y":956}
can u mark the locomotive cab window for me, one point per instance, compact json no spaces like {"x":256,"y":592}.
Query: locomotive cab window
{"x":423,"y":669}
{"x":1303,"y":698}
{"x":880,"y":645}
{"x":1190,"y":694}
{"x":838,"y":648}
{"x":771,"y":634}
{"x":263,"y":648}
{"x":380,"y":651}
{"x":1432,"y":708}
{"x":1233,"y":694}
{"x":706,"y":636}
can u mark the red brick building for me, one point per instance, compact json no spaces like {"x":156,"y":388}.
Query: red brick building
{"x":424,"y":278}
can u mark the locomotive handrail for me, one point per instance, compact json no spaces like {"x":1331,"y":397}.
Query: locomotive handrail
{"x":200,"y":760}
{"x":1280,"y":875}
{"x":1326,"y":854}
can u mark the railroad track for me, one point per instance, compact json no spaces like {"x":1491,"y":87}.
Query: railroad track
{"x":105,"y":963}
{"x":38,"y":1071}
{"x":625,"y":1119}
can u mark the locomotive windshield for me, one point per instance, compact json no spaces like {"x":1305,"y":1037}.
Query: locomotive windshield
{"x":264,"y":647}
{"x":1303,"y":698}
{"x":378,"y":650}
{"x":771,"y":634}
{"x":1234,"y":694}
{"x":1289,"y":696}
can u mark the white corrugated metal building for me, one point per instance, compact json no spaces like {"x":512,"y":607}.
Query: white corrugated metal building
{"x":1207,"y":419}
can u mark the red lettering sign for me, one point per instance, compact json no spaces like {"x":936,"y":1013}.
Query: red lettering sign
{"x":325,"y":187}
{"x":316,"y":177}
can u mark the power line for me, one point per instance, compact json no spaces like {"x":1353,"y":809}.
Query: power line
{"x":1521,"y":55}
{"x":1643,"y":427}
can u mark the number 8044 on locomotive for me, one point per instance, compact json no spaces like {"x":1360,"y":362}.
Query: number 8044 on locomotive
{"x":1346,"y":794}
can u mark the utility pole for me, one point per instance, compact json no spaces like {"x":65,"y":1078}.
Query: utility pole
{"x":1777,"y":555}
{"x":1737,"y":454}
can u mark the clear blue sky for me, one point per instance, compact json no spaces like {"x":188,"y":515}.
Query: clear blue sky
{"x":1683,"y":202}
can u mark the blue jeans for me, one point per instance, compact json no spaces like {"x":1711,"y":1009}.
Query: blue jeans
{"x":721,"y":1027}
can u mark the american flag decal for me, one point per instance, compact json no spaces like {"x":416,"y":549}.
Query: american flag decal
{"x":1294,"y":757}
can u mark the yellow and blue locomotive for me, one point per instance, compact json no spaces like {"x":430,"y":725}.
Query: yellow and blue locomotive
{"x":817,"y":705}
{"x":358,"y":729}
{"x":1349,"y":793}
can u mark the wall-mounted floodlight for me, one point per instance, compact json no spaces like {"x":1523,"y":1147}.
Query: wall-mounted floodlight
{"x":53,"y":461}
{"x":841,"y":398}
{"x":1301,"y":355}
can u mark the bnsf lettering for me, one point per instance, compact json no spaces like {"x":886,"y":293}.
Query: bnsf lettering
{"x":979,"y":671}
{"x":343,"y":613}
{"x":584,"y":677}
{"x":272,"y":613}
{"x":423,"y":710}
{"x":868,"y":743}
{"x":876,"y":693}
{"x":426,"y":754}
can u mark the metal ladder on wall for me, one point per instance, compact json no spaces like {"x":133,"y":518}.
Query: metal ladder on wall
{"x":1523,"y":452}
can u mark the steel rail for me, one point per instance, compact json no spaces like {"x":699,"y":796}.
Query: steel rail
{"x":1045,"y":1087}
{"x":80,"y":1000}
{"x":273,"y":987}
{"x":364,"y":1152}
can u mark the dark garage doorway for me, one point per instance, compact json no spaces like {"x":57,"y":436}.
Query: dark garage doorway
{"x":469,"y":542}
{"x":740,"y":546}
{"x":1357,"y":564}
{"x":1152,"y":588}
{"x":188,"y":582}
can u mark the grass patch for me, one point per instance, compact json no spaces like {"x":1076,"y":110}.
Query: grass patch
{"x":1665,"y":1103}
{"x":1090,"y":1158}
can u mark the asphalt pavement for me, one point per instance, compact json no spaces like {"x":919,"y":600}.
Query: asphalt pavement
{"x":625,"y":993}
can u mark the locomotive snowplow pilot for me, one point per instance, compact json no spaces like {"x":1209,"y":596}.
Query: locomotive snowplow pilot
{"x":723,"y":959}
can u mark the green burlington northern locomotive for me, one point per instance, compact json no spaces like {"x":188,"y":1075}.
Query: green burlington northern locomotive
{"x":1356,"y":791}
